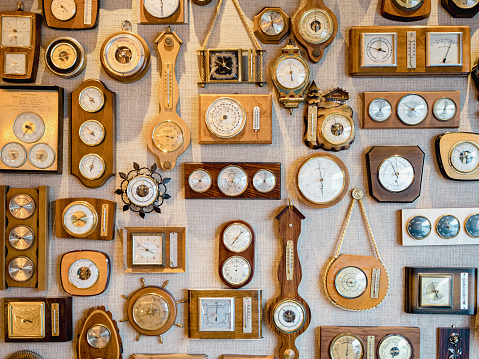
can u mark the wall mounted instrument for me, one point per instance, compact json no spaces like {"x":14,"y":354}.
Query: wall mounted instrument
{"x":369,"y":342}
{"x":155,"y":12}
{"x":25,"y":354}
{"x":395,"y":173}
{"x":314,"y":27}
{"x":453,"y":343}
{"x":32,"y":128}
{"x":354,"y":282}
{"x":93,"y":134}
{"x":289,"y":313}
{"x":441,"y":290}
{"x":229,"y":65}
{"x":21,"y":35}
{"x":38,"y":319}
{"x":154,"y":249}
{"x":99,"y":336}
{"x":271,"y":25}
{"x":397,"y":110}
{"x":71,"y":14}
{"x":24,"y":243}
{"x":406,"y":10}
{"x":225,"y":313}
{"x":169,"y":136}
{"x":152,"y":310}
{"x":169,"y":356}
{"x":65,"y":57}
{"x":125,"y":56}
{"x":235,"y":119}
{"x":233,"y":180}
{"x":84,"y":218}
{"x":461,"y":8}
{"x":410,"y":51}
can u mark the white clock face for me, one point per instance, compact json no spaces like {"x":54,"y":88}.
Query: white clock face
{"x":412,"y":109}
{"x":337,"y":129}
{"x":264,"y":181}
{"x":80,"y":218}
{"x":91,"y":99}
{"x":291,"y":72}
{"x":15,"y":63}
{"x":435,"y":290}
{"x":83,"y":273}
{"x":28,"y":127}
{"x":272,"y":23}
{"x":380,"y":109}
{"x":161,"y":8}
{"x":16,"y":31}
{"x":236,"y":270}
{"x":142,"y":191}
{"x":41,"y":155}
{"x":444,"y":109}
{"x":466,"y":4}
{"x":444,"y":49}
{"x":148,"y":249}
{"x":63,"y":10}
{"x":396,"y":174}
{"x":92,"y":166}
{"x":92,"y":133}
{"x":289,"y":316}
{"x":346,"y":346}
{"x":13,"y":155}
{"x":225,"y":117}
{"x":216,"y":314}
{"x":379,"y":50}
{"x":351,"y":282}
{"x":237,"y":237}
{"x":232,"y":181}
{"x":464,"y":157}
{"x":394,"y":346}
{"x":315,"y":26}
{"x":199,"y":181}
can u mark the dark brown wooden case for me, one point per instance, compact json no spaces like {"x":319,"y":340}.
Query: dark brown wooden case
{"x":456,"y":11}
{"x":179,"y":17}
{"x":453,"y":341}
{"x":390,"y":11}
{"x":77,"y":22}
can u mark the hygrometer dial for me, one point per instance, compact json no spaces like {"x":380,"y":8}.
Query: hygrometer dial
{"x":80,"y":218}
{"x":199,"y":181}
{"x":83,"y":273}
{"x":98,"y":336}
{"x":21,"y":269}
{"x":29,"y":127}
{"x":448,"y":226}
{"x":225,"y":117}
{"x":13,"y":155}
{"x":418,"y":227}
{"x":351,"y":282}
{"x":346,"y":346}
{"x":264,"y":181}
{"x":21,"y":206}
{"x":289,"y":316}
{"x":92,"y":133}
{"x":472,"y":225}
{"x":464,"y":157}
{"x":237,"y":237}
{"x":91,"y":99}
{"x":232,"y":181}
{"x":63,"y":10}
{"x":316,"y":26}
{"x":396,"y":174}
{"x":380,"y":109}
{"x":236,"y":270}
{"x":394,"y":346}
{"x":444,"y":109}
{"x":412,"y":109}
{"x":21,"y":237}
{"x":41,"y":155}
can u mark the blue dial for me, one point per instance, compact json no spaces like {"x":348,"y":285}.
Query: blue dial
{"x":418,"y":227}
{"x":448,"y":226}
{"x":472,"y":225}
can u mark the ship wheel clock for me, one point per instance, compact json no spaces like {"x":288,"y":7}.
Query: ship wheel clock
{"x":152,"y":310}
{"x":143,"y":190}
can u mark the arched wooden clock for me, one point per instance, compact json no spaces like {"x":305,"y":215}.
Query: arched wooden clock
{"x":152,"y":310}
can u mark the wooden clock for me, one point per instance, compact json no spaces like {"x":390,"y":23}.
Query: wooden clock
{"x":289,"y":314}
{"x":271,"y":25}
{"x":461,"y":8}
{"x":404,"y":10}
{"x":93,"y":134}
{"x":155,"y":12}
{"x":453,"y":343}
{"x":168,"y":135}
{"x":71,"y":14}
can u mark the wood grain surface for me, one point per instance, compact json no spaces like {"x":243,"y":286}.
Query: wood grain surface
{"x":392,"y":12}
{"x":77,"y":22}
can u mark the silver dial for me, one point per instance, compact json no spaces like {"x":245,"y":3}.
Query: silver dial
{"x":264,"y":181}
{"x":98,"y":336}
{"x":396,"y":174}
{"x":412,"y":109}
{"x":80,"y":218}
{"x":199,"y":181}
{"x":380,"y":109}
{"x":21,"y":237}
{"x":272,"y":23}
{"x":236,"y":270}
{"x":291,"y":72}
{"x":41,"y":155}
{"x":394,"y":346}
{"x":21,"y":269}
{"x":237,"y":237}
{"x":351,"y":282}
{"x":63,"y":10}
{"x":232,"y":181}
{"x":92,"y":133}
{"x":225,"y":117}
{"x":83,"y":273}
{"x":142,"y":191}
{"x":28,"y":127}
{"x":21,"y":206}
{"x":316,"y":26}
{"x":337,"y":129}
{"x":161,"y":8}
{"x":444,"y":109}
{"x":289,"y":316}
{"x":92,"y":166}
{"x":13,"y":155}
{"x":346,"y":346}
{"x":464,"y":157}
{"x":91,"y":99}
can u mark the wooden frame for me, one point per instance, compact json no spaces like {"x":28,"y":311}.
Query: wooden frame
{"x":81,"y":21}
{"x":453,"y":341}
{"x":456,"y":11}
{"x":271,"y":39}
{"x":390,"y":11}
{"x":393,"y":122}
{"x":179,"y":17}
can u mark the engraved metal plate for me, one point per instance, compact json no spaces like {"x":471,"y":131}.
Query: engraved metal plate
{"x":375,"y":280}
{"x":247,"y":315}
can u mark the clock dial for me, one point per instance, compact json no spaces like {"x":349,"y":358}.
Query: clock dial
{"x":148,"y":249}
{"x":466,"y":4}
{"x":83,"y":273}
{"x":15,"y":63}
{"x":232,"y":181}
{"x":418,"y":227}
{"x":412,"y":109}
{"x":92,"y":133}
{"x":272,"y":23}
{"x":444,"y":109}
{"x":151,"y":311}
{"x":161,"y":8}
{"x":236,"y":270}
{"x":216,"y":314}
{"x":464,"y":157}
{"x":346,"y":346}
{"x":91,"y":99}
{"x":408,"y":5}
{"x":396,"y":174}
{"x":289,"y":316}
{"x":63,"y":10}
{"x":199,"y":181}
{"x":380,"y":109}
{"x":41,"y":155}
{"x":472,"y":225}
{"x":98,"y":336}
{"x":337,"y":129}
{"x":26,"y":319}
{"x":448,"y":226}
{"x":264,"y":181}
{"x":394,"y":346}
{"x":21,"y":269}
{"x":444,"y":49}
{"x":168,"y":136}
{"x":224,"y":65}
{"x":92,"y":166}
{"x":142,"y":191}
{"x":291,"y":72}
{"x":351,"y":282}
{"x":28,"y":127}
{"x":225,"y":117}
{"x":379,"y":50}
{"x":435,"y":291}
{"x":21,"y":206}
{"x":16,"y":31}
{"x":21,"y":237}
{"x":315,"y":26}
{"x":80,"y":218}
{"x":13,"y":155}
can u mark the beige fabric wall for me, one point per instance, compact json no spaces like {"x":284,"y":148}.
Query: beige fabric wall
{"x":137,"y":106}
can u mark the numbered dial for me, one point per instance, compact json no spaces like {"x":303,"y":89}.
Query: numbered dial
{"x":148,"y":249}
{"x":396,"y":174}
{"x":92,"y":133}
{"x":224,"y":65}
{"x":21,"y":206}
{"x":444,"y":109}
{"x":466,"y":4}
{"x":394,"y":346}
{"x":80,"y":218}
{"x":21,"y":269}
{"x":435,"y":291}
{"x":289,"y":316}
{"x":448,"y":226}
{"x":28,"y":127}
{"x":236,"y":270}
{"x":199,"y":181}
{"x":225,"y":117}
{"x":92,"y":166}
{"x":444,"y":49}
{"x":264,"y":181}
{"x":418,"y":227}
{"x":272,"y":23}
{"x":16,"y":31}
{"x":63,"y":56}
{"x":316,"y":26}
{"x":412,"y":109}
{"x":124,"y":55}
{"x":351,"y":282}
{"x":346,"y":346}
{"x":168,"y":136}
{"x":15,"y":63}
{"x":232,"y":181}
{"x":337,"y":129}
{"x":408,"y":5}
{"x":41,"y":155}
{"x":13,"y":155}
{"x":63,"y":10}
{"x":291,"y":72}
{"x":21,"y":237}
{"x":98,"y":336}
{"x":151,"y":311}
{"x":380,"y":110}
{"x":379,"y":50}
{"x":464,"y":157}
{"x":161,"y":8}
{"x":472,"y":225}
{"x":217,"y":314}
{"x":142,"y":191}
{"x":83,"y":273}
{"x":91,"y":99}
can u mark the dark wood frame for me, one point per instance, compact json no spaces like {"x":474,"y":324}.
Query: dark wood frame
{"x":443,"y":344}
{"x":179,"y":17}
{"x":390,"y":11}
{"x":77,"y":21}
{"x":271,"y":39}
{"x":456,"y":11}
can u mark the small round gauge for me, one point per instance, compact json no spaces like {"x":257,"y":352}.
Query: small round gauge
{"x":80,"y":218}
{"x":83,"y":273}
{"x":408,"y":5}
{"x":346,"y":346}
{"x":448,"y":226}
{"x":466,"y":4}
{"x":65,"y":57}
{"x":142,"y":191}
{"x":236,"y":270}
{"x":290,"y":72}
{"x":418,"y":227}
{"x":92,"y":133}
{"x":315,"y":26}
{"x":28,"y":127}
{"x":289,"y":316}
{"x":351,"y":282}
{"x":337,"y":129}
{"x":91,"y":99}
{"x":272,"y":23}
{"x":161,"y":9}
{"x":225,"y":117}
{"x":396,"y":174}
{"x":412,"y":109}
{"x":380,"y":109}
{"x":394,"y":346}
{"x":98,"y":336}
{"x":232,"y":181}
{"x":151,"y":311}
{"x":444,"y":109}
{"x":237,"y":237}
{"x":199,"y":181}
{"x":472,"y":225}
{"x":92,"y":166}
{"x":21,"y":269}
{"x":41,"y":155}
{"x":167,"y":136}
{"x":464,"y":157}
{"x":21,"y":237}
{"x":21,"y":206}
{"x":264,"y":181}
{"x":63,"y":10}
{"x":13,"y":155}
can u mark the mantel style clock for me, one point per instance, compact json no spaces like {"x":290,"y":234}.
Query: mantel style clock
{"x":406,"y":10}
{"x":71,"y":14}
{"x":461,"y":8}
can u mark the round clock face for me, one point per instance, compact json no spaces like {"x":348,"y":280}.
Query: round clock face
{"x":289,"y":316}
{"x":448,"y":226}
{"x":41,"y":155}
{"x":199,"y":181}
{"x":346,"y":346}
{"x":418,"y":227}
{"x":167,"y":136}
{"x":408,"y":5}
{"x":237,"y":237}
{"x":91,"y":99}
{"x":466,"y":4}
{"x":92,"y":166}
{"x":380,"y":109}
{"x":28,"y":127}
{"x":412,"y":109}
{"x":21,"y":206}
{"x":98,"y":336}
{"x":435,"y":291}
{"x":21,"y":237}
{"x":63,"y":10}
{"x":272,"y":23}
{"x":337,"y":129}
{"x":151,"y":311}
{"x":291,"y":72}
{"x":142,"y":191}
{"x":472,"y":225}
{"x":464,"y":157}
{"x":394,"y":346}
{"x":63,"y":55}
{"x":83,"y":273}
{"x":444,"y":109}
{"x":13,"y":155}
{"x":161,"y":8}
{"x":80,"y":218}
{"x":232,"y":181}
{"x":316,"y":26}
{"x":21,"y":269}
{"x":124,"y":55}
{"x":225,"y":117}
{"x":264,"y":181}
{"x":236,"y":270}
{"x":351,"y":282}
{"x":396,"y":174}
{"x":92,"y":133}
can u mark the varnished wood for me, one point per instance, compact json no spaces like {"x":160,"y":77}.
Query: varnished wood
{"x":271,"y":39}
{"x":107,"y":148}
{"x":393,"y":122}
{"x":169,"y":356}
{"x":214,"y":168}
{"x":456,"y":11}
{"x":263,"y":136}
{"x":355,"y":52}
{"x":62,"y":203}
{"x":374,"y":158}
{"x":113,"y":350}
{"x":179,"y":17}
{"x":444,"y":346}
{"x":327,"y":334}
{"x":392,"y":12}
{"x":77,"y":22}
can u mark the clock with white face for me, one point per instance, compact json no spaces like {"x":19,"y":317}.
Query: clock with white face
{"x":435,"y":290}
{"x":148,"y":249}
{"x":216,"y":314}
{"x":396,"y":174}
{"x":379,"y":50}
{"x":161,"y":8}
{"x":444,"y":49}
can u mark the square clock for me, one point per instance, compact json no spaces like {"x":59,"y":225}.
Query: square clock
{"x":379,"y":49}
